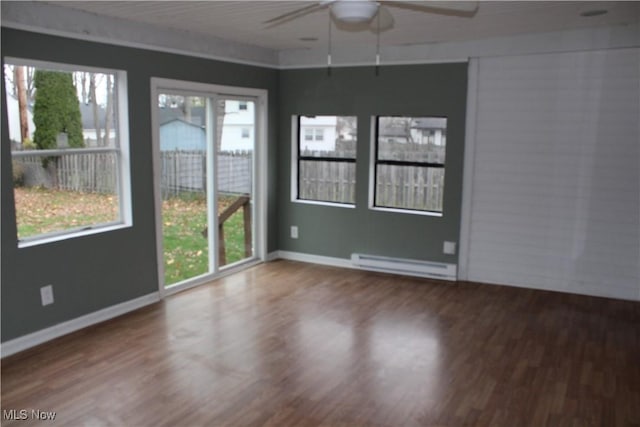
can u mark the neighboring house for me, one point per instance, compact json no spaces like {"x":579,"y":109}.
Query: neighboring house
{"x":197,"y":115}
{"x":392,"y":132}
{"x":429,"y":130}
{"x":238,"y":131}
{"x":179,"y":134}
{"x":13,"y":115}
{"x":318,"y":133}
{"x":426,"y":130}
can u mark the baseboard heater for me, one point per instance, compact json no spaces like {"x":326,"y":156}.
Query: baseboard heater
{"x":408,"y":267}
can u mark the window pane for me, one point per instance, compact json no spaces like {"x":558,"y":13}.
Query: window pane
{"x":50,"y":109}
{"x":327,"y":181}
{"x":413,"y":139}
{"x":410,"y":187}
{"x":328,"y":136}
{"x":65,"y":192}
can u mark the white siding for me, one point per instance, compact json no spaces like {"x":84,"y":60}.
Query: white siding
{"x":232,"y":139}
{"x":13,"y":114}
{"x":555,"y":200}
{"x":326,"y":126}
{"x":235,"y":120}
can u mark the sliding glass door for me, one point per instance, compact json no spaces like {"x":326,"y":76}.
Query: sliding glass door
{"x":235,"y":139}
{"x":205,"y":173}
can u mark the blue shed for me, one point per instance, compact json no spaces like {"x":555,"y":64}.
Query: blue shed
{"x":179,"y":134}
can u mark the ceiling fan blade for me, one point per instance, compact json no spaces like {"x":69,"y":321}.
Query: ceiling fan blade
{"x":386,"y":21}
{"x":295,"y":14}
{"x":448,"y":8}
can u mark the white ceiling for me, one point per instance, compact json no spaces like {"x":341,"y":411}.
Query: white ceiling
{"x":243,"y":21}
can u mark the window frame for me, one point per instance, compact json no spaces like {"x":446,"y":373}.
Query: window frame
{"x":373,"y":169}
{"x":121,"y":150}
{"x":296,"y":158}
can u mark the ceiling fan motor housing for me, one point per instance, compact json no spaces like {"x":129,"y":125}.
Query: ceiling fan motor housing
{"x":354,"y":10}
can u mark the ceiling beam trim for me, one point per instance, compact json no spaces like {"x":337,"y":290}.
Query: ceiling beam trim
{"x":66,"y":22}
{"x":612,"y":37}
{"x":63,"y":21}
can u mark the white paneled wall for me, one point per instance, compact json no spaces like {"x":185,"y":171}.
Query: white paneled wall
{"x":555,"y":191}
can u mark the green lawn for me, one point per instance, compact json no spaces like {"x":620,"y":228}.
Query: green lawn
{"x":184,"y":220}
{"x":186,"y":251}
{"x":40,"y":210}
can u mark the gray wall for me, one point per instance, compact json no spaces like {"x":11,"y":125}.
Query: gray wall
{"x":97,"y":271}
{"x":416,"y":90}
{"x":94,"y":272}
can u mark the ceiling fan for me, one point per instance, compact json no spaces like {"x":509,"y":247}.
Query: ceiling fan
{"x":359,"y":12}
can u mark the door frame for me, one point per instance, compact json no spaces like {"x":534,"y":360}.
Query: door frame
{"x":259,"y":212}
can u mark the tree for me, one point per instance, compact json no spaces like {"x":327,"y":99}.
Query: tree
{"x":12,"y":84}
{"x":94,"y":107}
{"x":56,"y":110}
{"x":80,"y":81}
{"x":22,"y":103}
{"x":108,"y":115}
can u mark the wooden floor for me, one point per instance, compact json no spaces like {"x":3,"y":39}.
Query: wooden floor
{"x":287,"y":344}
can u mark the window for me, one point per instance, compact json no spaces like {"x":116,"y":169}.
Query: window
{"x":326,"y":159}
{"x":245,"y":133}
{"x":242,"y":106}
{"x":315,"y":134}
{"x":69,"y":149}
{"x":409,"y":163}
{"x":308,"y":135}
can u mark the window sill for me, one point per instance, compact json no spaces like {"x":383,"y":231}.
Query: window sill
{"x":321,"y":203}
{"x":407,"y":211}
{"x":44,"y":239}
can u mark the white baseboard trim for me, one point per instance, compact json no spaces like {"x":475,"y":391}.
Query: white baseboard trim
{"x":344,"y":263}
{"x":36,"y":338}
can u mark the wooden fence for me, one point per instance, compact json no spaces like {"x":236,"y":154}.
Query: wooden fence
{"x":90,"y":172}
{"x":184,"y":171}
{"x":181,"y":171}
{"x":396,"y":186}
{"x":410,"y":187}
{"x":327,"y":181}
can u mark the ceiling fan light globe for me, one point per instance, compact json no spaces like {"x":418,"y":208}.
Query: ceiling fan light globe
{"x":354,"y":11}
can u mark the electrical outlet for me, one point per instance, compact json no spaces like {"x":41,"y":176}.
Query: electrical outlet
{"x":449,"y":248}
{"x":46,"y":295}
{"x":294,"y":231}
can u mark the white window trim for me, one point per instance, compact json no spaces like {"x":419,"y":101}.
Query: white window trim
{"x":372,"y":181}
{"x":124,"y":170}
{"x":294,"y":172}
